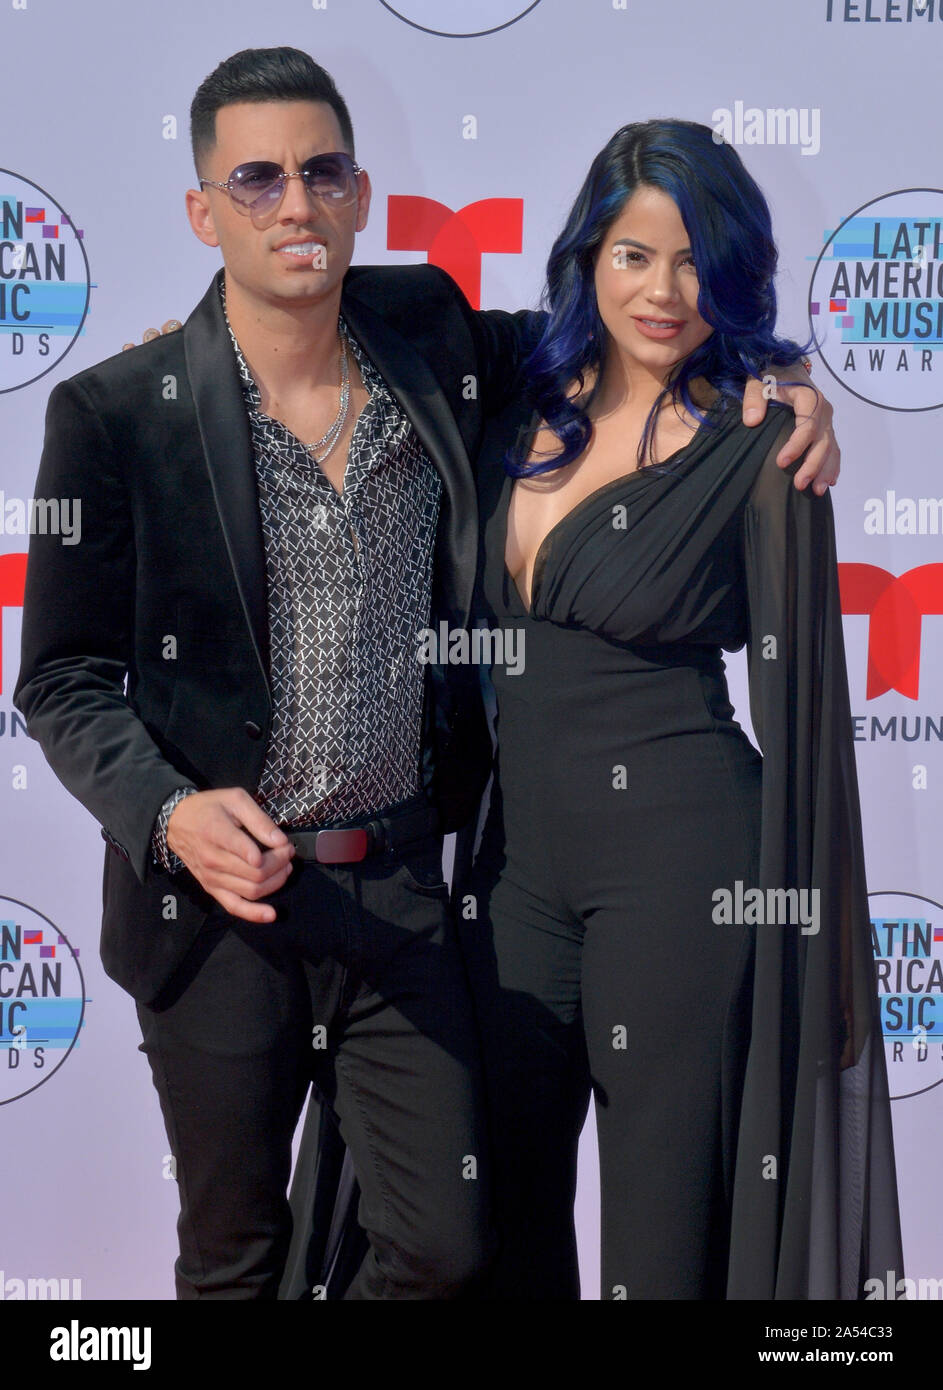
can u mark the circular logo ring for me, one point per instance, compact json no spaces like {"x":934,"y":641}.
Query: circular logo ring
{"x":459,"y":34}
{"x":67,"y":221}
{"x":81,"y":1017}
{"x":814,"y":297}
{"x":918,"y":897}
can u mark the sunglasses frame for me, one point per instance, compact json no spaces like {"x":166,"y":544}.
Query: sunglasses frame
{"x":281,"y":181}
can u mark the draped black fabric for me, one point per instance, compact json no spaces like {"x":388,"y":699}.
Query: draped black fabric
{"x":816,"y":1092}
{"x":716,"y":548}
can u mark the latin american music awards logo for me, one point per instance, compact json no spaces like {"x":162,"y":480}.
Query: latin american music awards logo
{"x":474,"y":17}
{"x":42,"y":999}
{"x":44,"y":282}
{"x":876,"y":301}
{"x":907,"y":937}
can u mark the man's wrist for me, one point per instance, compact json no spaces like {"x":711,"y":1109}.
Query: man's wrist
{"x":164,"y":856}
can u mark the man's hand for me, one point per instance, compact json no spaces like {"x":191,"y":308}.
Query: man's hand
{"x":215,"y":835}
{"x":813,"y":429}
{"x":170,"y":326}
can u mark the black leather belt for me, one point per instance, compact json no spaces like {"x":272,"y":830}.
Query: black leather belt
{"x":349,"y":844}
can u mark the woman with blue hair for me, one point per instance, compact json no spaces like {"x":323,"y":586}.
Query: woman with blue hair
{"x":659,"y":916}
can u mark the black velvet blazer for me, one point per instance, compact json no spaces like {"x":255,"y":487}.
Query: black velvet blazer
{"x":145,"y":645}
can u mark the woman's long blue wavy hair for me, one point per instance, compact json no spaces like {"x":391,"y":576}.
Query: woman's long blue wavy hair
{"x":728,"y":223}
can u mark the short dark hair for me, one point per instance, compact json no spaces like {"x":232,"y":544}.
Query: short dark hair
{"x":262,"y":74}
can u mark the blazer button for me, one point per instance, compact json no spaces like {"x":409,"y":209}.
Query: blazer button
{"x":253,"y":729}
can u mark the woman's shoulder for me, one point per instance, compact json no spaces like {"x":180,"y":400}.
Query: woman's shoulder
{"x":773,"y":492}
{"x":725,"y":408}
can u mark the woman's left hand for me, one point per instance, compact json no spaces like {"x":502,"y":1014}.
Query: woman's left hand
{"x":813,"y":431}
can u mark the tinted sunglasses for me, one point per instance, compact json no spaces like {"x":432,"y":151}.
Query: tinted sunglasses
{"x":257,"y":188}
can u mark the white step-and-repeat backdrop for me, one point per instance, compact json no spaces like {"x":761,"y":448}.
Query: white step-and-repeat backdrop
{"x":477,"y":120}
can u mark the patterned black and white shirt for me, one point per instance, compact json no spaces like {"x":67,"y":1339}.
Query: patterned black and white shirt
{"x":349,"y":589}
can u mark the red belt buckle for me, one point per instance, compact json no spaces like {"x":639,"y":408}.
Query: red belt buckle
{"x":341,"y":846}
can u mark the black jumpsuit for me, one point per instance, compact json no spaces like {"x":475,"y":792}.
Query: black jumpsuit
{"x":627,"y":802}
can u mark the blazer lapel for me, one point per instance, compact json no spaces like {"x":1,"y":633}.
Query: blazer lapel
{"x":227,"y":447}
{"x":419,"y":394}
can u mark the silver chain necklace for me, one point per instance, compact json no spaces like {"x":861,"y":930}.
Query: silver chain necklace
{"x":328,"y":440}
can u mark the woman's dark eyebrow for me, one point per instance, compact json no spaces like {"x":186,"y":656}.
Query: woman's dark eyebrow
{"x":628,"y":241}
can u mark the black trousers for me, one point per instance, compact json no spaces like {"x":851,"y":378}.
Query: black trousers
{"x":598,"y":973}
{"x":358,"y":986}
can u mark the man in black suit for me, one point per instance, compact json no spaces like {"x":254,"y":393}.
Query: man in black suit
{"x":263,"y":600}
{"x":225,"y":673}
